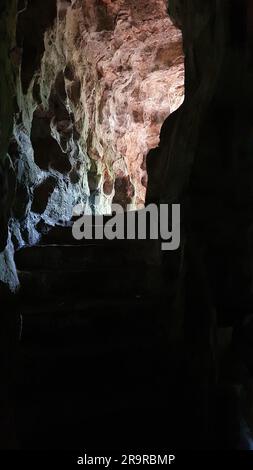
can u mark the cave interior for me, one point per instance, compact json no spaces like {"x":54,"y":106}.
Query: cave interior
{"x":117,"y":344}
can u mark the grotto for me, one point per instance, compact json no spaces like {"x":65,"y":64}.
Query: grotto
{"x":119,"y":343}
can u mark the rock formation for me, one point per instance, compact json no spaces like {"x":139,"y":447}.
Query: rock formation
{"x":110,"y":74}
{"x":204,"y":161}
{"x":87,"y":88}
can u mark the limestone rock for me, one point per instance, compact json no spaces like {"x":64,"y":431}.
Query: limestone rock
{"x":87,"y":86}
{"x":116,"y":70}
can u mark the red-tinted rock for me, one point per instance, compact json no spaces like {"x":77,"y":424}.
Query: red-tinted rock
{"x":121,"y":66}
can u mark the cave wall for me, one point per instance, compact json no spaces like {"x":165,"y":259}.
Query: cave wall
{"x":7,"y":174}
{"x":86,"y":88}
{"x":7,"y":191}
{"x":204,"y":162}
{"x":114,"y":71}
{"x":53,"y":64}
{"x":131,"y":78}
{"x":204,"y":158}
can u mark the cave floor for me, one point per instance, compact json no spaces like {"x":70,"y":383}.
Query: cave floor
{"x":95,"y":368}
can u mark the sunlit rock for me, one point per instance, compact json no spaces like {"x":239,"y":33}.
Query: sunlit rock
{"x":110,"y":75}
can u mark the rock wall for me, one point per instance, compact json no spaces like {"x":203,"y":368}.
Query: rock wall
{"x":204,"y":162}
{"x":86,"y":89}
{"x":95,"y":81}
{"x":124,"y":74}
{"x":204,"y":158}
{"x":110,"y":75}
{"x":7,"y":175}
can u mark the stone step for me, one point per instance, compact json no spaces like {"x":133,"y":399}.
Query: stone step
{"x":82,"y":344}
{"x":69,"y":404}
{"x":70,"y":306}
{"x":105,"y":345}
{"x":103,"y":358}
{"x":67,"y":330}
{"x":96,"y":335}
{"x":85,"y":312}
{"x":63,"y":235}
{"x":90,"y":282}
{"x":96,"y":327}
{"x":111,"y":362}
{"x":78,"y":257}
{"x":75,"y":418}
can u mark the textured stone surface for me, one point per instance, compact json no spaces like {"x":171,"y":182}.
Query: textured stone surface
{"x":7,"y":177}
{"x":94,"y":82}
{"x":123,"y":75}
{"x":111,"y":73}
{"x":8,"y":273}
{"x":204,"y":161}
